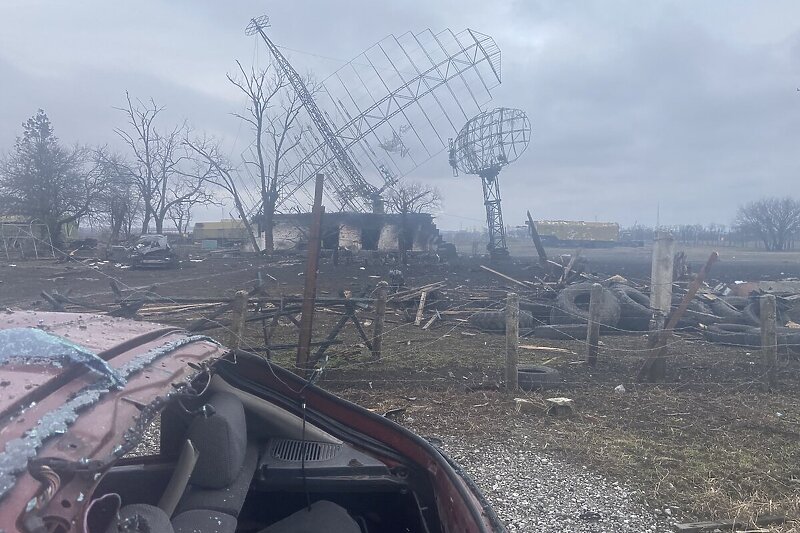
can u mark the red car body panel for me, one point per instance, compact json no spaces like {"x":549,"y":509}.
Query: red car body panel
{"x":29,"y":392}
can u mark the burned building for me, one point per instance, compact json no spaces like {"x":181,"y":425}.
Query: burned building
{"x":351,"y":231}
{"x":358,"y":231}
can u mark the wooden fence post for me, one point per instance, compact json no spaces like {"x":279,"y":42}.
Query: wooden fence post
{"x":769,"y":341}
{"x":421,"y":308}
{"x":512,"y":340}
{"x":661,"y":275}
{"x":380,"y":315}
{"x":593,"y":330}
{"x":660,"y":302}
{"x":310,"y":288}
{"x":239,"y":308}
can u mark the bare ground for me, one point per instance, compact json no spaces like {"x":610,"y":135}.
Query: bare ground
{"x":707,"y":444}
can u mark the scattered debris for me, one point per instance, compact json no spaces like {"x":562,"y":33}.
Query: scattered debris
{"x":728,"y":525}
{"x":559,"y":406}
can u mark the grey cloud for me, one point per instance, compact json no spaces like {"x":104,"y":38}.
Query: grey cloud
{"x":689,"y":105}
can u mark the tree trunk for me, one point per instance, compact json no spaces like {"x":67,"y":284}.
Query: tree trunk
{"x":269,"y":226}
{"x":56,"y":236}
{"x":116,"y":227}
{"x":403,"y":238}
{"x":146,"y":220}
{"x":247,"y":226}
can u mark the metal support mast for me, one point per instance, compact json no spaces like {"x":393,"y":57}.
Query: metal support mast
{"x":497,"y":246}
{"x":361,"y":189}
{"x":485,"y":145}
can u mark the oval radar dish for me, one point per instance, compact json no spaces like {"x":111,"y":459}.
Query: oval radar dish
{"x":490,"y":141}
{"x":484,"y":146}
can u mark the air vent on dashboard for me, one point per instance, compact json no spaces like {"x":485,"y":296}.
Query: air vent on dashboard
{"x":292,"y":450}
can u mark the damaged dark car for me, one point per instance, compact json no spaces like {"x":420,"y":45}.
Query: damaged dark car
{"x":116,"y":425}
{"x":152,"y":251}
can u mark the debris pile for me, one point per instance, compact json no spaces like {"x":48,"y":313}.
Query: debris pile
{"x":554,"y":304}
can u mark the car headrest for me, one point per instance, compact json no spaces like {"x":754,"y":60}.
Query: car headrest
{"x":220,"y":436}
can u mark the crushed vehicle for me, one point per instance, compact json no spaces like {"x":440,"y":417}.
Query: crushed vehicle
{"x":152,"y":250}
{"x":242,"y":444}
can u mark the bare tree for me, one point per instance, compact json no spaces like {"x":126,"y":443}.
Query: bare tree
{"x":773,"y":220}
{"x":161,"y":167}
{"x":43,"y":180}
{"x":181,"y":217}
{"x":225,"y":176}
{"x":411,"y":197}
{"x":272,"y":112}
{"x":119,"y":203}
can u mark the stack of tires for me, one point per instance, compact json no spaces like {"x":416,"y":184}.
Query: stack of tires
{"x":495,"y":321}
{"x":727,"y":320}
{"x":740,"y":323}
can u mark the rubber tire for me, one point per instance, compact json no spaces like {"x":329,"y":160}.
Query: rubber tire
{"x":789,"y":338}
{"x":734,"y":335}
{"x":567,"y":311}
{"x":535,"y":377}
{"x":635,"y":312}
{"x":739,"y":302}
{"x":752,"y":314}
{"x":695,"y":313}
{"x":561,"y":332}
{"x":750,"y":336}
{"x":726,"y":311}
{"x":539,"y":310}
{"x":495,"y":321}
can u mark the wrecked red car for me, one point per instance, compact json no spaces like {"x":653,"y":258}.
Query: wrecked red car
{"x":242,"y":444}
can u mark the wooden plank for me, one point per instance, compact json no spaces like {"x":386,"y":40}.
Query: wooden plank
{"x":429,"y":322}
{"x":505,"y":277}
{"x":421,"y":308}
{"x":537,"y":241}
{"x":569,"y":266}
{"x":544,"y":348}
{"x":728,"y":525}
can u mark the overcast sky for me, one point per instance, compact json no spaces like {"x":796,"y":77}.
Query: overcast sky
{"x":687,"y":108}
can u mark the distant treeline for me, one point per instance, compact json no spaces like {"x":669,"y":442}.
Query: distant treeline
{"x":697,"y":234}
{"x":686,"y":234}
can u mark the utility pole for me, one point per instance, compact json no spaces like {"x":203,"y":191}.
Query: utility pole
{"x":310,"y":288}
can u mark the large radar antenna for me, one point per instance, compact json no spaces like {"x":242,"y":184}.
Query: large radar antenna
{"x":361,"y":190}
{"x":486,"y":144}
{"x":382,"y":114}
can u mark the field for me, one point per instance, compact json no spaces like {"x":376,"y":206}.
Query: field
{"x":706,"y":444}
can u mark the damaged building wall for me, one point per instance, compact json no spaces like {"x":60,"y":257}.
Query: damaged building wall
{"x":353,"y":231}
{"x":288,"y":235}
{"x":350,"y":236}
{"x":356,"y":231}
{"x":390,"y":237}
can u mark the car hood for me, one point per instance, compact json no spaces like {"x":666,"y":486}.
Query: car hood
{"x":73,"y":385}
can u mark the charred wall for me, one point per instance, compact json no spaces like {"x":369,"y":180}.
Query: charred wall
{"x":357,"y":231}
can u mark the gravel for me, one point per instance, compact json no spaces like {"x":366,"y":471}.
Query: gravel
{"x":533,"y":492}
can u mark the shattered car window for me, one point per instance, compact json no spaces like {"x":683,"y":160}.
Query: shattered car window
{"x":152,"y":242}
{"x":34,"y":346}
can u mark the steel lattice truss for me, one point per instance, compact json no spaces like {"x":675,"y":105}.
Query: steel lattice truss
{"x":485,"y":145}
{"x":390,"y":109}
